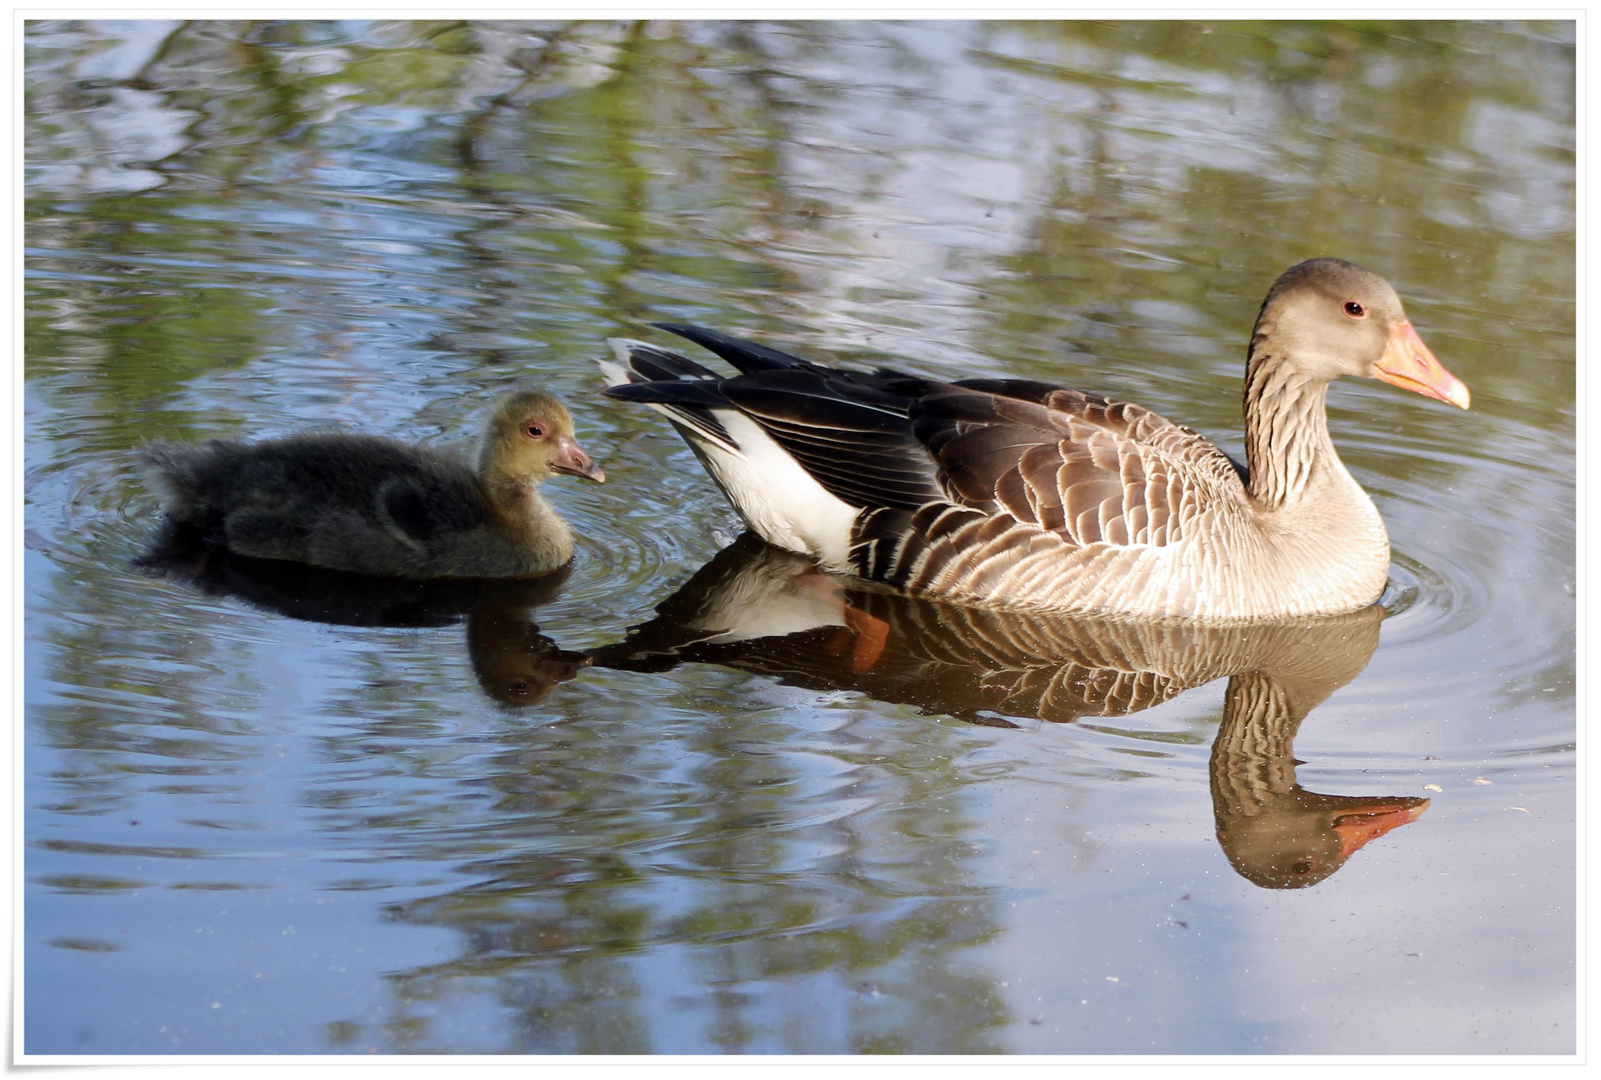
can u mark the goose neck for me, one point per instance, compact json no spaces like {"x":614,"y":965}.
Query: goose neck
{"x":1286,"y":430}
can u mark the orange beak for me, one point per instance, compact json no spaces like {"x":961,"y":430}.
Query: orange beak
{"x":1409,"y":364}
{"x":1357,"y":829}
{"x":571,"y":459}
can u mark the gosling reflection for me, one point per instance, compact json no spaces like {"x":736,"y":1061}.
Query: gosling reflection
{"x":760,"y":609}
{"x":515,"y":664}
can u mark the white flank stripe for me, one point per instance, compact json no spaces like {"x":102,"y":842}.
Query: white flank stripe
{"x":776,"y":497}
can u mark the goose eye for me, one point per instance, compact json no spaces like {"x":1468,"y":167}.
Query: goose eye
{"x":536,"y":431}
{"x":1354,"y":309}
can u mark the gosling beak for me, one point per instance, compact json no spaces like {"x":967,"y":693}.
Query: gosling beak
{"x":1409,"y":364}
{"x":571,"y":459}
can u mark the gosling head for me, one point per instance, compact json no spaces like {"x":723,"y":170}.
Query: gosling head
{"x":1331,"y":318}
{"x":529,"y":436}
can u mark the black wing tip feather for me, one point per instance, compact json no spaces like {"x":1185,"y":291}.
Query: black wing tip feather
{"x":747,"y":356}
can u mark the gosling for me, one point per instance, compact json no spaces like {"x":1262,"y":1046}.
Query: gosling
{"x":380,"y":507}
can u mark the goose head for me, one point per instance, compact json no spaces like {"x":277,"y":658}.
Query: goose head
{"x":529,"y":437}
{"x":1327,"y":318}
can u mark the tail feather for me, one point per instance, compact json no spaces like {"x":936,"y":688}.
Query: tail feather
{"x":673,"y":385}
{"x":653,"y":363}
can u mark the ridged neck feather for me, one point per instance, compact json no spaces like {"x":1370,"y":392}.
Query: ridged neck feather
{"x":1286,"y":427}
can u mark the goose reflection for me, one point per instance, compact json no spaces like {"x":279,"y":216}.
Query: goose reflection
{"x":516,"y":665}
{"x":757,"y":608}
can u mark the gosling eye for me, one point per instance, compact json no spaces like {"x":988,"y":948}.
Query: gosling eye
{"x":535,"y":430}
{"x":1354,"y":309}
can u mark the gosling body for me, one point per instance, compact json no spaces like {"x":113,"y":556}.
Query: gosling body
{"x":379,"y":506}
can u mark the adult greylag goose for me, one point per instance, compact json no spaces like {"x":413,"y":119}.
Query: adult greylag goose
{"x":377,"y":506}
{"x":1020,"y":493}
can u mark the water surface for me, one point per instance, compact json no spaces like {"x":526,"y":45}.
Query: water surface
{"x":268,"y":811}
